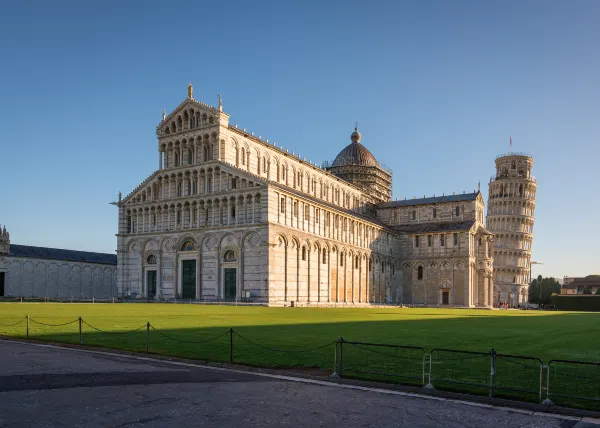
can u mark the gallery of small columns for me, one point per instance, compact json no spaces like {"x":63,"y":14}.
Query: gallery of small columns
{"x":241,"y":208}
{"x":511,"y":207}
{"x":289,"y":170}
{"x":191,"y":182}
{"x":503,"y":187}
{"x":318,"y":271}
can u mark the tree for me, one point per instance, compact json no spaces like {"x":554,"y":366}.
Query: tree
{"x":597,"y":291}
{"x":541,"y":289}
{"x":587,"y":290}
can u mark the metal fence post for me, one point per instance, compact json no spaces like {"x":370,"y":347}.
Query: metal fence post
{"x":492,"y":371}
{"x":341,"y":356}
{"x":548,"y":401}
{"x":429,"y":384}
{"x":231,"y":346}
{"x":27,"y":333}
{"x":147,"y":336}
{"x":80,"y":336}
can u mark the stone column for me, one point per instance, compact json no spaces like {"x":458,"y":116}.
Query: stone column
{"x":159,"y":275}
{"x":198,"y":272}
{"x":486,"y":280}
{"x":159,"y":160}
{"x":241,"y":267}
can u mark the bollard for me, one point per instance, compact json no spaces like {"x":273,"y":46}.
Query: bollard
{"x":492,"y":371}
{"x":27,"y":334}
{"x":80,"y":336}
{"x":147,"y":336}
{"x":231,"y":346}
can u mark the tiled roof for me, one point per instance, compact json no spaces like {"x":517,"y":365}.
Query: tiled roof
{"x":590,"y":281}
{"x":59,"y":254}
{"x":435,"y":227}
{"x":432,"y":200}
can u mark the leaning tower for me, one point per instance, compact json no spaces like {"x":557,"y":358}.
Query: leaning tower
{"x":510,"y":216}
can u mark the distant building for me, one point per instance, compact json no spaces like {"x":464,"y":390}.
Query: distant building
{"x":574,"y":285}
{"x":41,"y":272}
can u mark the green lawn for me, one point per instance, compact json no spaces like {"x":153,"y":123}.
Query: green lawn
{"x":286,"y":337}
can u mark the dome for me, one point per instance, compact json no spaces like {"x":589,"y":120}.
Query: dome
{"x":355,"y":153}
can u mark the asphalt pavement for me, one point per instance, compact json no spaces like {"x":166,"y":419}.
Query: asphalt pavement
{"x":42,"y":386}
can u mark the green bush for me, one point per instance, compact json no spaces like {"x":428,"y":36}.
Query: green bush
{"x":576,"y":302}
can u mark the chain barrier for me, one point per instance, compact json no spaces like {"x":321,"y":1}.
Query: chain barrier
{"x":284,"y":351}
{"x":12,"y":325}
{"x":398,"y":357}
{"x":53,"y":325}
{"x":110,"y":332}
{"x":197,"y":342}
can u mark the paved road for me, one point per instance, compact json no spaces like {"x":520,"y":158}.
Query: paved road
{"x":50,"y":387}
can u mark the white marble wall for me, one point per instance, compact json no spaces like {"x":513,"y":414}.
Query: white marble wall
{"x":32,"y":277}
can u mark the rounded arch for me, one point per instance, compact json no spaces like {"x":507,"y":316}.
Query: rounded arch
{"x":185,"y":240}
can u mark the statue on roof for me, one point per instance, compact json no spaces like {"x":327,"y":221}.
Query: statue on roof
{"x":164,"y":116}
{"x":190,"y":90}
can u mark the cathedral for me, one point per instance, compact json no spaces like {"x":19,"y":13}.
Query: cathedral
{"x":229,"y":216}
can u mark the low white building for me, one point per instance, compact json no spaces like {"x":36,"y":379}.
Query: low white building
{"x":53,"y":273}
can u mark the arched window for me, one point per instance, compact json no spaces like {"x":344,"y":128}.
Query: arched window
{"x":414,"y":214}
{"x":341,"y":259}
{"x":434,"y":212}
{"x":243,"y":156}
{"x":420,"y":272}
{"x":513,"y":165}
{"x":232,"y":212}
{"x":205,"y":153}
{"x":356,"y":262}
{"x":282,"y":172}
{"x":442,"y":240}
{"x":370,"y":265}
{"x":188,"y":246}
{"x":151,"y":260}
{"x":304,"y":253}
{"x":395,"y":216}
{"x":457,"y":211}
{"x":324,"y":257}
{"x":283,"y":205}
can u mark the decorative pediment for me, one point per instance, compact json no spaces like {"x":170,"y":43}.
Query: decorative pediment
{"x":189,"y":115}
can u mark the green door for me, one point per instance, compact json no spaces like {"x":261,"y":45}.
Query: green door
{"x":188,"y":279}
{"x":230,"y":283}
{"x":151,"y":282}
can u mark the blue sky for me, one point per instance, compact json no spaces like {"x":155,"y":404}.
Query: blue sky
{"x":438,"y":87}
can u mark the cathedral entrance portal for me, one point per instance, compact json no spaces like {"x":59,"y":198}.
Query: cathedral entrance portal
{"x":229,"y":282}
{"x":188,"y":279}
{"x":151,"y":283}
{"x":445,"y":297}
